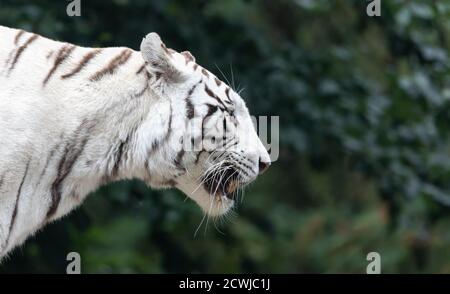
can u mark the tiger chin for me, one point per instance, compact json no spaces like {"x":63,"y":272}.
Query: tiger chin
{"x":74,"y":118}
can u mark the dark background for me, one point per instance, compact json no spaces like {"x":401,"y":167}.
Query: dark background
{"x":364,"y":153}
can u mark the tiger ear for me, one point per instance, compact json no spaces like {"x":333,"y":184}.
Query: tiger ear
{"x":159,"y":60}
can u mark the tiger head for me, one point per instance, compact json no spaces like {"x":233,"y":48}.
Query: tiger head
{"x":212,"y":149}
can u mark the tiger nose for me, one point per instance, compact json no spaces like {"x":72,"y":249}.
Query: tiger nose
{"x":263,"y":166}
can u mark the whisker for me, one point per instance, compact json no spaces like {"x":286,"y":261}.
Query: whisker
{"x":209,"y":213}
{"x":240,"y":91}
{"x":215,"y":223}
{"x":207,"y":175}
{"x":232,"y":76}
{"x":223,"y":75}
{"x":199,"y":226}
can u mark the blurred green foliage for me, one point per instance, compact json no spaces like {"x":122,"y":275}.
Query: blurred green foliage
{"x":364,"y":164}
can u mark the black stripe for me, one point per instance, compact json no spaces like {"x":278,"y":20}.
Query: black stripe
{"x":140,"y":69}
{"x":147,"y":161}
{"x":203,"y":135}
{"x":228,"y":100}
{"x":211,"y":93}
{"x":17,"y":38}
{"x":118,"y":157}
{"x":211,"y":110}
{"x":190,"y":110}
{"x":227,"y":92}
{"x":179,"y":159}
{"x":113,"y":65}
{"x":82,"y":63}
{"x":20,"y":50}
{"x":56,"y":189}
{"x":49,"y":54}
{"x":146,"y":86}
{"x":49,"y":158}
{"x":169,"y":127}
{"x":154,"y":146}
{"x":158,"y":75}
{"x":205,"y":73}
{"x":170,"y":183}
{"x":158,"y":143}
{"x":72,"y":152}
{"x":140,"y":93}
{"x":63,"y":53}
{"x":198,"y":156}
{"x":224,"y":127}
{"x":16,"y":206}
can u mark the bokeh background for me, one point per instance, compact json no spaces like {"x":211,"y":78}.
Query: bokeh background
{"x":364,"y":139}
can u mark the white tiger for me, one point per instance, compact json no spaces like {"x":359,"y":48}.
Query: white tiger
{"x":74,"y":118}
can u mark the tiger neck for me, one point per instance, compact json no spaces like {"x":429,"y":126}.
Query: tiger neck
{"x":139,"y":125}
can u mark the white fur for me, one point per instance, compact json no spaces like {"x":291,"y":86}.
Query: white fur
{"x":36,"y":119}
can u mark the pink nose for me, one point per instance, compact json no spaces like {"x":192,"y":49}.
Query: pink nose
{"x":263,"y":166}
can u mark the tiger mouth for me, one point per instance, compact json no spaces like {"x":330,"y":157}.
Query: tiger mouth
{"x":226,"y":184}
